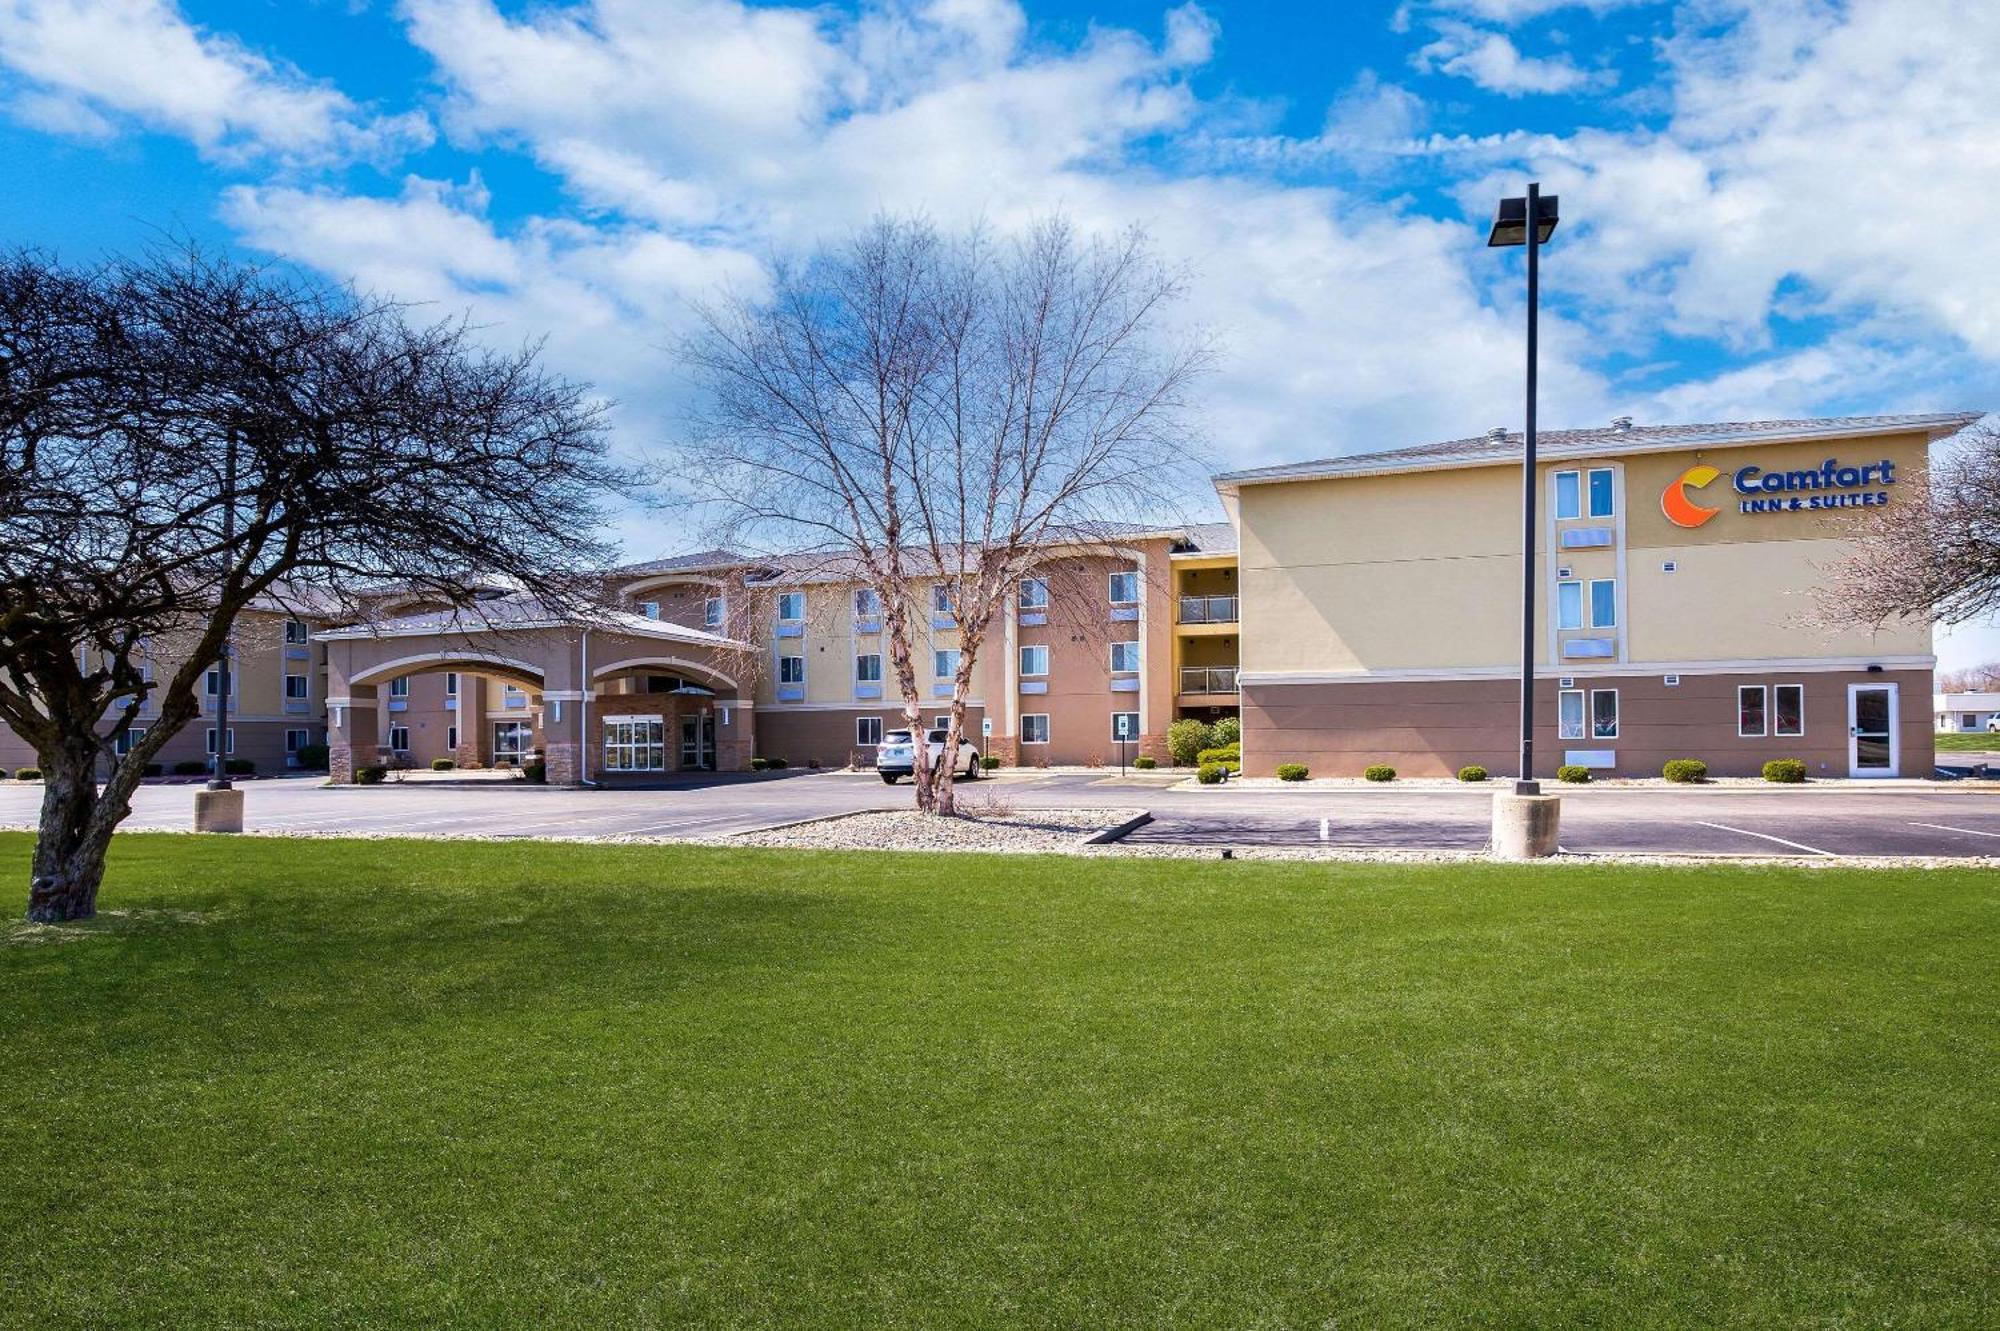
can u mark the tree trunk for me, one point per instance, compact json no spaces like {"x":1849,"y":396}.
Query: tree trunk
{"x":68,"y":863}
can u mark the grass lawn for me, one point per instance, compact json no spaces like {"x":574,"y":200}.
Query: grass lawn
{"x":1960,"y":742}
{"x":321,"y":1083}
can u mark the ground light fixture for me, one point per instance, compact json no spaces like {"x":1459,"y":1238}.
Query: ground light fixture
{"x":1529,"y":818}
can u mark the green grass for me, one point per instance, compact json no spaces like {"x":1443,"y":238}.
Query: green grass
{"x":384,"y":1084}
{"x":1961,"y":742}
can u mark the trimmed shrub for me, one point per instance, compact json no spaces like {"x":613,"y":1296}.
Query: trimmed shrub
{"x":1186,"y":738}
{"x":1144,"y":763}
{"x":1293,"y":772}
{"x":312,"y":757}
{"x":442,"y":764}
{"x":1472,"y":772}
{"x":1574,"y":773}
{"x":775,"y":764}
{"x":1785,"y":771}
{"x":190,"y":767}
{"x":1226,"y":732}
{"x":27,"y":774}
{"x":370,"y":776}
{"x":989,"y":762}
{"x":1379,"y":772}
{"x":155,"y":769}
{"x":537,"y":772}
{"x":758,"y":764}
{"x":238,"y":766}
{"x":1211,"y":774}
{"x":1685,"y":771}
{"x":1228,"y":753}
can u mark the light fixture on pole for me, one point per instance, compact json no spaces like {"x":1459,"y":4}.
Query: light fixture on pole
{"x":1528,"y":220}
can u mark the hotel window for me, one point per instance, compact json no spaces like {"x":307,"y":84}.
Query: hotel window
{"x":650,"y":609}
{"x":791,"y":670}
{"x":127,"y":740}
{"x":296,"y":740}
{"x":399,"y":738}
{"x":867,"y":604}
{"x":713,"y":610}
{"x":1788,"y":710}
{"x":451,"y":683}
{"x":1603,"y":502}
{"x":791,"y":606}
{"x":1035,"y":728}
{"x":868,"y":668}
{"x":1034,"y":661}
{"x":1750,"y":721}
{"x":941,"y":598}
{"x":296,"y":687}
{"x":295,"y":631}
{"x":1569,"y":495}
{"x":399,"y":687}
{"x":1124,"y":726}
{"x":1125,"y":588}
{"x":1569,"y":714}
{"x":1569,"y":605}
{"x":1034,"y":593}
{"x":1603,"y":603}
{"x":944,"y":663}
{"x":1124,"y":658}
{"x":450,"y":737}
{"x":868,"y":730}
{"x":1604,"y":713}
{"x":230,"y":740}
{"x":942,"y":721}
{"x":213,"y":683}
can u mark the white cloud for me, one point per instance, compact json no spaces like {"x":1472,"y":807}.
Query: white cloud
{"x":82,"y":66}
{"x":1492,"y":61}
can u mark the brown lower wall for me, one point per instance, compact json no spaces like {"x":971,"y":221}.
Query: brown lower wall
{"x":826,"y":736}
{"x":1434,"y":728}
{"x":261,"y":741}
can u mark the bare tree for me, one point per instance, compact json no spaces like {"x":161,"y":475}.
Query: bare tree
{"x":1983,"y":678}
{"x":184,"y":437}
{"x":928,"y":410}
{"x":1935,"y":555}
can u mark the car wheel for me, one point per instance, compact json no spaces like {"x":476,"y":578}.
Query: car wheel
{"x":888,"y":778}
{"x":972,"y":768}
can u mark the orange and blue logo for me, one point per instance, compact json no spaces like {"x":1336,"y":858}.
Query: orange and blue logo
{"x":1674,"y":502}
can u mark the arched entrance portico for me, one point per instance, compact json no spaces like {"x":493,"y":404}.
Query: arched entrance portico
{"x":655,"y":714}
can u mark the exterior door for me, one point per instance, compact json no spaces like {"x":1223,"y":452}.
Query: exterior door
{"x":1871,"y":730}
{"x":698,"y":742}
{"x":511,"y":739}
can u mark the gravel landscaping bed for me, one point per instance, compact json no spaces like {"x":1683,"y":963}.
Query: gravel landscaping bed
{"x":1026,"y":831}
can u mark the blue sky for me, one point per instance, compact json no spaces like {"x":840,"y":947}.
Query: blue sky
{"x":1774,"y":208}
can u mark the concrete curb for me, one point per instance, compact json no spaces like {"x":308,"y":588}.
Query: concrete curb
{"x":1121,"y":831}
{"x":1238,"y":785}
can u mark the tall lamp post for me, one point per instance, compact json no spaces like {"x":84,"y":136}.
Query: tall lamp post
{"x":1529,"y":221}
{"x":219,"y":807}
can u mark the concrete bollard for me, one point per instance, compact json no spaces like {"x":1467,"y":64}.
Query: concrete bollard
{"x":1525,"y":827}
{"x":218,"y":810}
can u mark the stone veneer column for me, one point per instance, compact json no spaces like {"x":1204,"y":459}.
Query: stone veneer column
{"x":352,"y":717}
{"x":474,"y":735}
{"x":562,"y":740}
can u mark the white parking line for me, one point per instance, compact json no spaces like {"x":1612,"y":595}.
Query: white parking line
{"x":1968,"y":831}
{"x":1765,"y":836}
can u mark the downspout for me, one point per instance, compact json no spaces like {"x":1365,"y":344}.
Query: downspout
{"x":583,"y":718}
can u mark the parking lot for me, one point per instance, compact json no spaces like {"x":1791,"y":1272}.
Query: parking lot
{"x":1955,"y":822}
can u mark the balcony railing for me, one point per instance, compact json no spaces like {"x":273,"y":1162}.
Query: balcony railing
{"x":1208,"y":679}
{"x":1208,"y":610}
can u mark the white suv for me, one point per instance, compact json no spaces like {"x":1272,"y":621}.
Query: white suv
{"x":897,"y":758}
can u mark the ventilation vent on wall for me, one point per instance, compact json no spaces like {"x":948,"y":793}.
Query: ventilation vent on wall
{"x":1566,"y":682}
{"x":1671,"y":566}
{"x":1563,"y":573}
{"x":1671,"y":681}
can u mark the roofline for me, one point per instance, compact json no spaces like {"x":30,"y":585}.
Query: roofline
{"x":1935,"y":426}
{"x":635,"y":625}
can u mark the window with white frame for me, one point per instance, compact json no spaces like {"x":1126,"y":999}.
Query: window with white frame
{"x":868,"y":731}
{"x":229,"y":741}
{"x":217,"y":679}
{"x":714,"y":610}
{"x":297,"y":687}
{"x":1751,"y":721}
{"x":942,"y":721}
{"x":451,"y":738}
{"x":1569,"y":495}
{"x":868,"y":668}
{"x":1034,"y":593}
{"x":451,"y":683}
{"x":1569,"y":605}
{"x":1788,"y":710}
{"x":941,"y":598}
{"x":650,"y":609}
{"x":1124,"y":726}
{"x":127,"y":740}
{"x":1125,"y":588}
{"x":399,"y":738}
{"x":1569,"y":714}
{"x":1035,"y":728}
{"x":867,"y":603}
{"x":399,"y":687}
{"x":1124,"y":658}
{"x":1604,"y":713}
{"x":1603,"y":493}
{"x":1034,"y":661}
{"x":295,"y":632}
{"x":791,"y":670}
{"x":944,"y":663}
{"x":635,"y":744}
{"x":1604,"y":603}
{"x":791,"y":606}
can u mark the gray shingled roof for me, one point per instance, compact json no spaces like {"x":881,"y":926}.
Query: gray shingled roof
{"x":1608,"y":440}
{"x":1212,"y":538}
{"x":700,"y":559}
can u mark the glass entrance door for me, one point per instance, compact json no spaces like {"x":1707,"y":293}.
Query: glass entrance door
{"x":511,"y":739}
{"x":698,"y":742}
{"x":1871,"y":730}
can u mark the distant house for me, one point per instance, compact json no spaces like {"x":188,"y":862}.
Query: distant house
{"x":1957,"y":713}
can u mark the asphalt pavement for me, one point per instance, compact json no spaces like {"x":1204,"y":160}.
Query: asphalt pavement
{"x":1954,"y":821}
